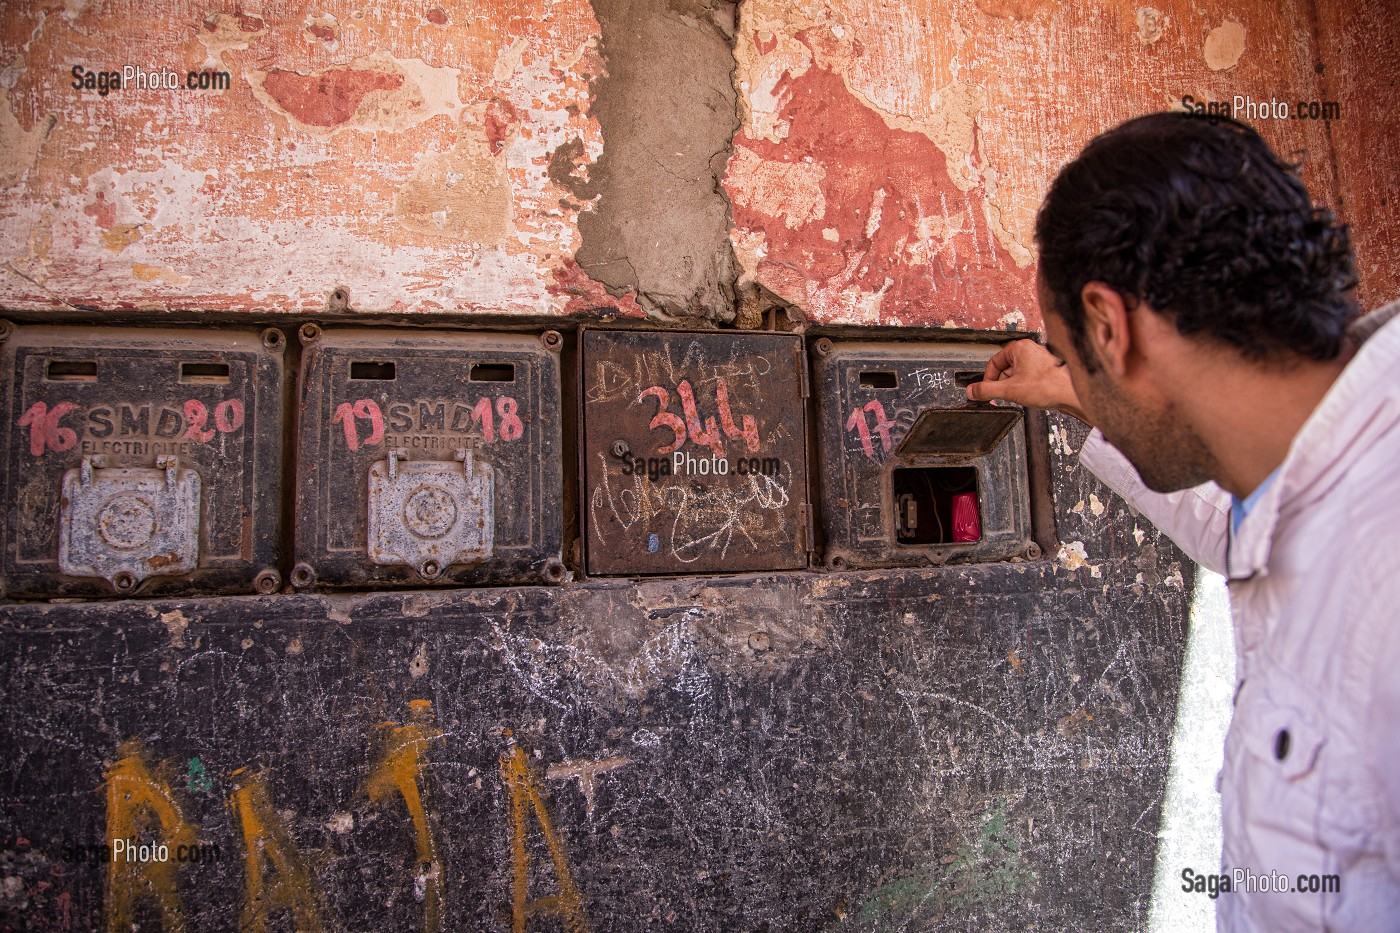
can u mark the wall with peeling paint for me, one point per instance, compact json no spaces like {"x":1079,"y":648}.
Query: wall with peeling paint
{"x":399,"y":151}
{"x":923,"y":749}
{"x":1359,"y":54}
{"x":893,"y":155}
{"x":448,"y":160}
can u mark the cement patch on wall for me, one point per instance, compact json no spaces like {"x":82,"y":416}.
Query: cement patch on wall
{"x":659,"y":228}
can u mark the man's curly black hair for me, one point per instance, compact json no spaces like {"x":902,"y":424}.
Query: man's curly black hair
{"x":1201,"y":220}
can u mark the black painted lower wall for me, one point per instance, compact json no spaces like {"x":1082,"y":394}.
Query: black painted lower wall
{"x":979,"y":747}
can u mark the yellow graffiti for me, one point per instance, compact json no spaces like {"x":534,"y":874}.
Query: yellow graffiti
{"x":398,"y":771}
{"x":268,"y":844}
{"x":525,"y":796}
{"x":142,"y":808}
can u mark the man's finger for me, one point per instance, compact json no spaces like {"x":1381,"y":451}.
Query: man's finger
{"x":984,"y":390}
{"x":998,"y":364}
{"x":997,"y":368}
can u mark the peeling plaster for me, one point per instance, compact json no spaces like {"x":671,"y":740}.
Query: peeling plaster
{"x":19,"y":148}
{"x":938,"y":232}
{"x":1224,"y":46}
{"x":73,"y":9}
{"x":1012,"y":9}
{"x":509,"y":61}
{"x":905,"y":229}
{"x":373,"y":93}
{"x":161,"y":274}
{"x":175,"y":623}
{"x":904,"y":98}
{"x":790,"y":190}
{"x":1150,"y":23}
{"x":1007,"y":91}
{"x":322,"y":27}
{"x":1004,"y":91}
{"x":119,"y":238}
{"x":291,"y":205}
{"x":224,"y":32}
{"x":462,"y":193}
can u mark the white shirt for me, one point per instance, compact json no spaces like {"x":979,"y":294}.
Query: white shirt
{"x":1311,"y":782}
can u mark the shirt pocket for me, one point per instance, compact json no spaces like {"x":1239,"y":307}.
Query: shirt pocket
{"x":1285,"y":733}
{"x":1275,"y":759}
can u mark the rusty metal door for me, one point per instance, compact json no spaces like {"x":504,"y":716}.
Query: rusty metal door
{"x":428,"y":457}
{"x":694,"y":453}
{"x":142,"y":461}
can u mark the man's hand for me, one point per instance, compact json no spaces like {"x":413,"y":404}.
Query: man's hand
{"x":1024,"y":372}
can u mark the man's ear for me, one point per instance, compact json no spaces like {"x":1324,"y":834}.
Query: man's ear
{"x":1106,"y":326}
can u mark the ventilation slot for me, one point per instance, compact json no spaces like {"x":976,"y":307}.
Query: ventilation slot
{"x":493,"y":372}
{"x":204,"y":373}
{"x":71,"y":371}
{"x":364,"y":369}
{"x":878,"y":380}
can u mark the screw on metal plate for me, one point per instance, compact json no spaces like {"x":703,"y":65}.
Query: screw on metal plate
{"x":125,"y":525}
{"x":620,"y":449}
{"x":303,"y":575}
{"x":431,"y":514}
{"x":267,"y":581}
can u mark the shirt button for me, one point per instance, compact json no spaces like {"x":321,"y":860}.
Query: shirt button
{"x":1281,"y":744}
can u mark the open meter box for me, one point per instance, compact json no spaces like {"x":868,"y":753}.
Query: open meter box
{"x":910,"y":472}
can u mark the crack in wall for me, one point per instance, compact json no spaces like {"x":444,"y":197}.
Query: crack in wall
{"x":659,"y":223}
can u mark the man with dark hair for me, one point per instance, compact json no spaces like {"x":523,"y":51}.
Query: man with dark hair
{"x":1198,"y":314}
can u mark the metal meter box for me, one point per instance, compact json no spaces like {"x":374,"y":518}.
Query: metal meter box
{"x":141,"y":460}
{"x":694,"y":452}
{"x":428,"y":457}
{"x":912,"y":473}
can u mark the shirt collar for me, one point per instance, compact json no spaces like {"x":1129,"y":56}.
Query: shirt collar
{"x":1328,"y":439}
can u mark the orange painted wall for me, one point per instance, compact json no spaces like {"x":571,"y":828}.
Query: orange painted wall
{"x":1359,"y":50}
{"x":889,"y":163}
{"x":893,"y":155}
